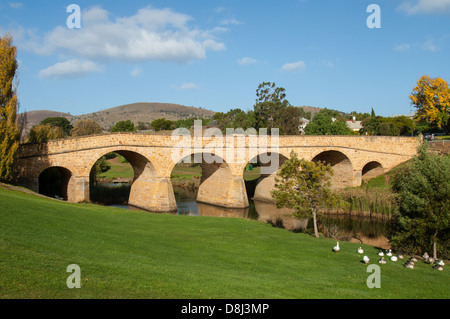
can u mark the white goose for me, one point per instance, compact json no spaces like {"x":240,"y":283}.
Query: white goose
{"x":380,"y":253}
{"x":366,"y":259}
{"x":440,"y":262}
{"x":394,"y":258}
{"x":336,"y":248}
{"x":360,"y":250}
{"x":382,"y":261}
{"x":389,"y":253}
{"x":425,"y":256}
{"x":409,"y":264}
{"x":440,"y":268}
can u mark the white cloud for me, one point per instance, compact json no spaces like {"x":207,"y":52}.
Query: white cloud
{"x":295,"y":66}
{"x":69,"y":69}
{"x":15,"y":5}
{"x":401,"y":47}
{"x":150,"y":34}
{"x":247,"y":61}
{"x":188,"y":86}
{"x":424,"y":6}
{"x":230,"y":22}
{"x":429,"y":46}
{"x":136,"y":72}
{"x":219,"y":9}
{"x":328,"y":64}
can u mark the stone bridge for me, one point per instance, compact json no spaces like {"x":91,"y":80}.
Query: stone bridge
{"x":222,"y":158}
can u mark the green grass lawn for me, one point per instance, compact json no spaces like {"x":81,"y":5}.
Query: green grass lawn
{"x":134,"y":254}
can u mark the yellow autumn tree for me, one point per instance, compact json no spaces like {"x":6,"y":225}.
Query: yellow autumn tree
{"x":431,"y":98}
{"x":9,"y":130}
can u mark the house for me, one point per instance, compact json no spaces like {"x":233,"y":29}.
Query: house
{"x":354,"y":125}
{"x":303,"y":123}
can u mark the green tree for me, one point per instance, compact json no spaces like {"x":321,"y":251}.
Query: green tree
{"x":43,"y":133}
{"x":290,"y":119}
{"x":305,"y":187}
{"x":163,"y":125}
{"x":424,"y":209}
{"x":61,"y":122}
{"x":234,"y":118}
{"x":270,"y":102}
{"x":123,"y":126}
{"x":9,"y":128}
{"x":388,"y":126}
{"x":86,"y":127}
{"x":325,"y":123}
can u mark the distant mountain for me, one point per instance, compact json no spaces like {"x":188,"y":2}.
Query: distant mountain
{"x":144,"y":112}
{"x":36,"y":117}
{"x":314,"y":110}
{"x":136,"y":112}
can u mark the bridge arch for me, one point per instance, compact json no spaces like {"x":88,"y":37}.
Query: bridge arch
{"x":342,"y":167}
{"x":218,"y":184}
{"x":148,"y":191}
{"x":371,"y":170}
{"x":55,"y":182}
{"x":269,"y":169}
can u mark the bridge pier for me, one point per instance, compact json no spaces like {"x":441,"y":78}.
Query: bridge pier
{"x":154,"y":195}
{"x":78,"y":189}
{"x":221,"y":188}
{"x":229,"y":193}
{"x":264,"y":185}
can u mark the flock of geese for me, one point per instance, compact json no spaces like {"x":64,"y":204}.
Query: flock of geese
{"x":409,"y":263}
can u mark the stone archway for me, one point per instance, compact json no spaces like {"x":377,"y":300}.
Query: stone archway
{"x":371,"y":170}
{"x":342,"y":167}
{"x":218,"y":186}
{"x":269,"y":169}
{"x":148,"y":190}
{"x":55,"y":182}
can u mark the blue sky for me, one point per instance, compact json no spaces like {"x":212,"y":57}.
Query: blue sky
{"x":214,"y":53}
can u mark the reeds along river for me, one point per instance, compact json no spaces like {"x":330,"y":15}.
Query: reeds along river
{"x":362,"y":229}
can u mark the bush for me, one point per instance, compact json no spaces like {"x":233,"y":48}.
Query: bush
{"x":422,"y":223}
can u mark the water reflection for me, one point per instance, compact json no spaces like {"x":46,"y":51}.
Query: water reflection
{"x":342,"y":227}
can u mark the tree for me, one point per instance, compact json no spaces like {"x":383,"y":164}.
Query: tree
{"x":163,"y":125}
{"x":388,"y":126}
{"x":424,"y":209}
{"x":44,"y":133}
{"x":86,"y":127}
{"x":234,"y":118}
{"x":61,"y":122}
{"x":9,"y":129}
{"x":290,"y":119}
{"x":123,"y":126}
{"x":431,"y":98}
{"x":306,"y":187}
{"x":325,"y":123}
{"x":269,"y":104}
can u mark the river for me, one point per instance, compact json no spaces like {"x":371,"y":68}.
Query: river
{"x":341,"y":227}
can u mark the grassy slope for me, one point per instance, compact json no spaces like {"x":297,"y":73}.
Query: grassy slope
{"x":130,"y":254}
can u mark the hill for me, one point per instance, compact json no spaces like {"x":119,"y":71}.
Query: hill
{"x":36,"y":117}
{"x":136,"y":112}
